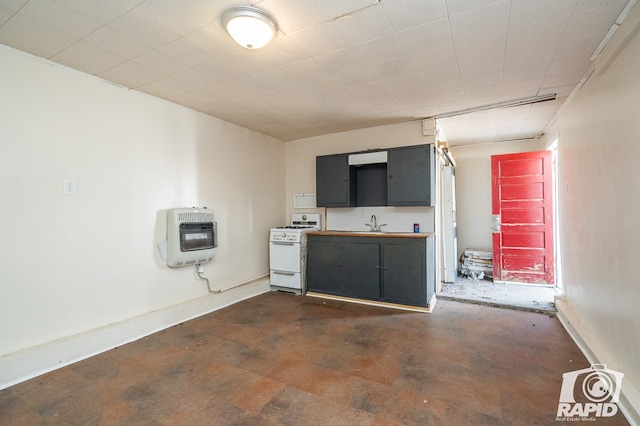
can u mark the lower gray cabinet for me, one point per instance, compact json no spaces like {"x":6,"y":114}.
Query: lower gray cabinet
{"x":403,"y":273}
{"x":325,"y":260}
{"x":395,"y":270}
{"x":361,"y":270}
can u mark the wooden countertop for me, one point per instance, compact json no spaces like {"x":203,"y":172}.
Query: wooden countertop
{"x":372,"y":234}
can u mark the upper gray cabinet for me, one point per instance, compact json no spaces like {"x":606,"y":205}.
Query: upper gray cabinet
{"x":406,"y":179}
{"x":335,"y":181}
{"x":411,"y":176}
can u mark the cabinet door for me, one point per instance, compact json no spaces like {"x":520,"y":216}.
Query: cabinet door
{"x":411,"y":176}
{"x":335,"y":185}
{"x":324,"y":266}
{"x":361,"y":270}
{"x":403,"y":276}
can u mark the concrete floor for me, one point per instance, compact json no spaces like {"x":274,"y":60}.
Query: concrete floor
{"x":281,"y":359}
{"x":505,"y":295}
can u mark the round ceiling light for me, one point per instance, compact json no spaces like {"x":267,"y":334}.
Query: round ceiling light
{"x":249,"y":26}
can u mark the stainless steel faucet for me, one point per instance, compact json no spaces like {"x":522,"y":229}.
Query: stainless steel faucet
{"x":374,"y":224}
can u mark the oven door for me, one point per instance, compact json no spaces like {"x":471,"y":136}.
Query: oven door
{"x":284,"y":256}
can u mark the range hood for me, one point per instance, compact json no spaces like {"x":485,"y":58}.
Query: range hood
{"x":361,"y":159}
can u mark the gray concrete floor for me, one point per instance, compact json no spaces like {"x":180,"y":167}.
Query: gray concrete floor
{"x":506,"y":295}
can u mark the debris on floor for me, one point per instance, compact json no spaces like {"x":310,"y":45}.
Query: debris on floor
{"x":476,"y":264}
{"x":507,"y":295}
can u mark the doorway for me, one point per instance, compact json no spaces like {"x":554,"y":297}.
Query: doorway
{"x":510,"y":294}
{"x":522,"y":218}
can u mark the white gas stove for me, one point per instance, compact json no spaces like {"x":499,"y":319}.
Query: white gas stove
{"x":288,"y":252}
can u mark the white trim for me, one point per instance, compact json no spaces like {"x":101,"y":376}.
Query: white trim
{"x":432,"y":302}
{"x":629,"y":402}
{"x":26,"y":364}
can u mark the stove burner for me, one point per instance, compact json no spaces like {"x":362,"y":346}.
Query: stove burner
{"x":294,"y":227}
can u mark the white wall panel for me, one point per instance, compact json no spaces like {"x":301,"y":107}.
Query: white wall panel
{"x":75,"y":263}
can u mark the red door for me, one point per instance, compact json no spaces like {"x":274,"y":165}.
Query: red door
{"x":522,"y":207}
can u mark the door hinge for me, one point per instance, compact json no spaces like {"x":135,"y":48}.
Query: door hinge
{"x":495,"y":223}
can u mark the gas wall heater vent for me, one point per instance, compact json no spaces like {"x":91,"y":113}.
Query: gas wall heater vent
{"x":192,"y":236}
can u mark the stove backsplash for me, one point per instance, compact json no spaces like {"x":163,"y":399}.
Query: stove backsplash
{"x":398,"y":219}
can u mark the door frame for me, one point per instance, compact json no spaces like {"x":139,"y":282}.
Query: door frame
{"x":557,"y":217}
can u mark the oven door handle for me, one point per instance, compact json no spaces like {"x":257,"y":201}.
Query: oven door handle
{"x":284,"y":273}
{"x":282,"y":243}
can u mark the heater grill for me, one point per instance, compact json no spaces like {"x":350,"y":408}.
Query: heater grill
{"x":192,"y":236}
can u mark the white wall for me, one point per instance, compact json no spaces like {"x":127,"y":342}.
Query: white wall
{"x":395,"y":219}
{"x":473,"y":190}
{"x":71,"y":264}
{"x":599,"y":177}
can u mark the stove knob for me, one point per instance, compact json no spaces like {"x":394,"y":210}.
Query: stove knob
{"x":284,"y":235}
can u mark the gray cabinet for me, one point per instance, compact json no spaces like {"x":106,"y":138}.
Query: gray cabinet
{"x":403,"y":273}
{"x":361,"y":269}
{"x":325,"y":260}
{"x":411,"y":176}
{"x":407,"y":179}
{"x":335,"y":181}
{"x":394,"y":270}
{"x":332,"y":262}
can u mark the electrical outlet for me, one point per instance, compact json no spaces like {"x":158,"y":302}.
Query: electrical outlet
{"x":362,"y":214}
{"x":69,"y":187}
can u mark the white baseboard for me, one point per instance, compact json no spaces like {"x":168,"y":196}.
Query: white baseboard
{"x":26,"y":364}
{"x":427,"y":310}
{"x":629,"y":402}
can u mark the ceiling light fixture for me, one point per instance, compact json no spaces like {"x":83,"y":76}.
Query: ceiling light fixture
{"x":249,"y":26}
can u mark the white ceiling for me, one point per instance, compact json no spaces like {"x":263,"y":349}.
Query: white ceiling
{"x":335,"y":65}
